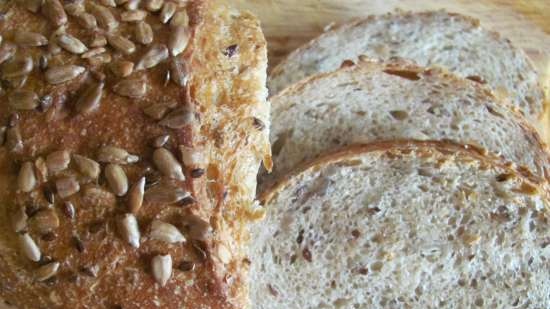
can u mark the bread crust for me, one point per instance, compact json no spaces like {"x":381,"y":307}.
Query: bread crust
{"x":432,"y":149}
{"x":226,"y":62}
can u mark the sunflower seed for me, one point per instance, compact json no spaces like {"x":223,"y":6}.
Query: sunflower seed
{"x":130,"y":230}
{"x":69,"y":210}
{"x":110,"y":3}
{"x":165,"y":193}
{"x":152,"y":57}
{"x":29,"y":39}
{"x":196,"y":228}
{"x":180,"y":18}
{"x":87,"y":166}
{"x":67,"y":186}
{"x":71,"y":44}
{"x":23,"y":100}
{"x":161,"y":141}
{"x":116,"y":155}
{"x":144,"y":33}
{"x":75,"y":9}
{"x":122,"y":68}
{"x":3,"y":130}
{"x":32,"y":5}
{"x":78,"y":243}
{"x":167,"y":164}
{"x":177,"y":119}
{"x":166,"y":232}
{"x":135,"y":15}
{"x":63,"y":73}
{"x":49,"y":195}
{"x":58,"y":161}
{"x":132,"y":4}
{"x":19,"y":220}
{"x":93,"y":52}
{"x":17,"y":67}
{"x":100,"y":59}
{"x":47,"y":271}
{"x":45,"y":221}
{"x":29,"y":247}
{"x":156,"y":111}
{"x":132,"y":88}
{"x":6,"y":52}
{"x":43,"y":62}
{"x":90,"y":98}
{"x":26,"y":180}
{"x":135,"y":196}
{"x":117,"y":179}
{"x":167,"y":12}
{"x":54,"y":11}
{"x":121,"y":44}
{"x":98,"y":40}
{"x":179,"y":38}
{"x":162,"y":268}
{"x":87,"y":21}
{"x":179,"y":72}
{"x":14,"y":141}
{"x":153,"y":5}
{"x":104,"y":17}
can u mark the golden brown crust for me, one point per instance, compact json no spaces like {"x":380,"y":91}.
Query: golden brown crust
{"x":98,"y":268}
{"x":435,"y":149}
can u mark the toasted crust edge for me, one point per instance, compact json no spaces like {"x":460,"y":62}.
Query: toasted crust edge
{"x":430,"y":148}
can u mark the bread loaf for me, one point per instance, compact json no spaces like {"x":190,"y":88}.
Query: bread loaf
{"x":396,"y":100}
{"x":132,"y":133}
{"x":453,"y":41}
{"x":403,"y":225}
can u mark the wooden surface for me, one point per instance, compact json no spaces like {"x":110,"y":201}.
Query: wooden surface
{"x":289,"y":23}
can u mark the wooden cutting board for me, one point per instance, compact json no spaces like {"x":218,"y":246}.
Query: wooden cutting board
{"x":289,"y":23}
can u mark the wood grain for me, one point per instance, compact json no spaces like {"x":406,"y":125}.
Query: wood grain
{"x":290,"y":23}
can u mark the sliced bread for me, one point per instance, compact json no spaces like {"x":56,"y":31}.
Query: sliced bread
{"x":403,"y":225}
{"x":395,"y":100}
{"x":430,"y":38}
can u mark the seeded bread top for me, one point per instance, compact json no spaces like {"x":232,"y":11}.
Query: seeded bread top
{"x":451,"y":40}
{"x":113,"y":197}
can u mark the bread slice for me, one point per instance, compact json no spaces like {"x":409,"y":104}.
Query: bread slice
{"x":135,"y":130}
{"x":453,"y":41}
{"x":395,"y":100}
{"x":403,"y":225}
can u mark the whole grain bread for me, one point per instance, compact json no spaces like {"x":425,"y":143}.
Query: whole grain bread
{"x":403,"y":225}
{"x":374,"y":101}
{"x":131,"y":143}
{"x":453,"y":41}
